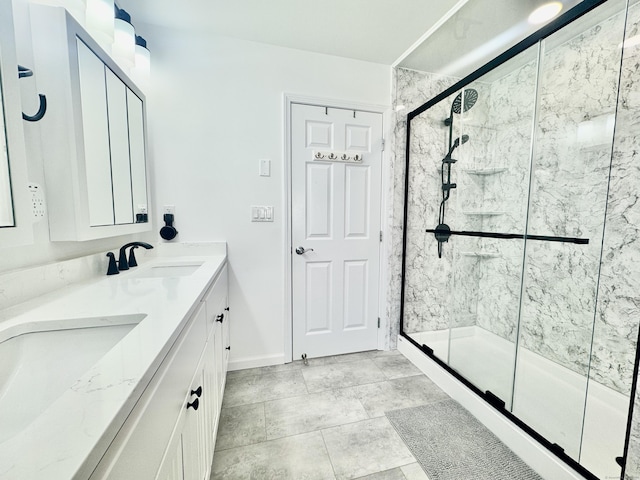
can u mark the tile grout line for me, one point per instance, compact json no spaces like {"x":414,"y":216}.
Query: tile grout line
{"x":326,"y":449}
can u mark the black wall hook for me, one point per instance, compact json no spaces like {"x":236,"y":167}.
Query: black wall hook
{"x":24,"y":72}
{"x":40,"y":113}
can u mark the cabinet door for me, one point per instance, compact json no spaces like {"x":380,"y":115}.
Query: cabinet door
{"x":219,"y":362}
{"x":226,"y":340}
{"x":95,"y":129}
{"x":194,"y":434}
{"x":172,"y":467}
{"x":212,"y":400}
{"x":119,"y":144}
{"x":135,"y":116}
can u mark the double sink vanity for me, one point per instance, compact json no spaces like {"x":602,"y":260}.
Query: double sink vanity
{"x":117,"y":377}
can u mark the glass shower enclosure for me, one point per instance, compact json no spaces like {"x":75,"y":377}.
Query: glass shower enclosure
{"x":521,"y":261}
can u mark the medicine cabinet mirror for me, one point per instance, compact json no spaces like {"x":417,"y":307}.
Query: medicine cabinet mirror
{"x":15,"y":225}
{"x":96,"y":171}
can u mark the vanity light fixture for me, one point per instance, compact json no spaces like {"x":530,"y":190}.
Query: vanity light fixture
{"x":100,"y":21}
{"x":545,"y":13}
{"x":124,"y":42}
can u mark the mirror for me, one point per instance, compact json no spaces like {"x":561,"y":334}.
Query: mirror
{"x":15,"y":222}
{"x":6,"y":201}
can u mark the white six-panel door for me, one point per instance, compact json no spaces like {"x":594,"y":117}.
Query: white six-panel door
{"x":336,"y":219}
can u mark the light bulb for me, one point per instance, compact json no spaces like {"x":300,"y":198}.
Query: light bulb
{"x":124,"y":42}
{"x":99,"y":18}
{"x":545,"y":13}
{"x":142,"y":70}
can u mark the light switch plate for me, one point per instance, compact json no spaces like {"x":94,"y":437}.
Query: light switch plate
{"x":261,"y":213}
{"x":265,"y":167}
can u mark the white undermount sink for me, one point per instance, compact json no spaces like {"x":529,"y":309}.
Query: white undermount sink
{"x":39,"y":365}
{"x":168,"y":271}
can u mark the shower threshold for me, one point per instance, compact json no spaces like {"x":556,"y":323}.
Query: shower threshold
{"x":551,"y":392}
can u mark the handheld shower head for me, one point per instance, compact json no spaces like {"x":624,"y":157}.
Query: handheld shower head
{"x":457,"y":142}
{"x":460,"y":141}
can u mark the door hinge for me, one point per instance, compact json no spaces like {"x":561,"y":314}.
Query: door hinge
{"x":383,"y":144}
{"x":381,"y":235}
{"x":378,"y":322}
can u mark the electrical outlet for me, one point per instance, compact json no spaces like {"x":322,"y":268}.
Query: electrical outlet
{"x":170,"y":209}
{"x":38,"y":203}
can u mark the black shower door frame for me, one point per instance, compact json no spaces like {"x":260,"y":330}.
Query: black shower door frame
{"x":570,"y":16}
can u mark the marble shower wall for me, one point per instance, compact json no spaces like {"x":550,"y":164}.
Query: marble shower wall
{"x":412,"y":90}
{"x":563,"y":318}
{"x":578,"y":88}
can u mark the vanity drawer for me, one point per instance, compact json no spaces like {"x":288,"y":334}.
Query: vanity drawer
{"x":138,"y":448}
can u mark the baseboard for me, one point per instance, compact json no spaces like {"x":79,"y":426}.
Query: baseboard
{"x":256,"y":361}
{"x":547,"y":465}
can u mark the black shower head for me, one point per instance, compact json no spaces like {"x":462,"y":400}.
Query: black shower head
{"x":470,"y":99}
{"x":459,"y":105}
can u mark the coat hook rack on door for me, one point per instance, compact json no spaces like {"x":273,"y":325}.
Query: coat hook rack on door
{"x":24,"y":72}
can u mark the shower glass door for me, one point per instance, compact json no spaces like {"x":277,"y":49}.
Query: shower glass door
{"x":521,"y":260}
{"x":492,"y":176}
{"x":577,"y":96}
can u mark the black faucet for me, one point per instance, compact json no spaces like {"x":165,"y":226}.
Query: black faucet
{"x":123,"y":264}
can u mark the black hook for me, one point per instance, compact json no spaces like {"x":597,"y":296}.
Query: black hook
{"x":24,"y":72}
{"x":40,"y":113}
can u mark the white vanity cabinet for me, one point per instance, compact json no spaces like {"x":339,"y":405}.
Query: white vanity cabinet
{"x":93,"y":133}
{"x":170,"y":434}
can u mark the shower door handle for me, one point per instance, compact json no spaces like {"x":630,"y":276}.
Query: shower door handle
{"x":302,"y":250}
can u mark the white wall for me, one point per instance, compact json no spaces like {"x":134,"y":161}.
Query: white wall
{"x":215,"y":108}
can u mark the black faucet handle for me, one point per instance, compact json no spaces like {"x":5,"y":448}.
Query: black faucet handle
{"x":132,"y":257}
{"x":113,"y":267}
{"x":122,"y":261}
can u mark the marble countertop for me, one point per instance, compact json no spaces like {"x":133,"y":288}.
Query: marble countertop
{"x":69,"y":438}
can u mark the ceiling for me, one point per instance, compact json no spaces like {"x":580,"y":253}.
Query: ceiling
{"x":376,"y":31}
{"x":459,"y":35}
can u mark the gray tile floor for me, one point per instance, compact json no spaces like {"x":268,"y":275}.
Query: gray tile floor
{"x":324,"y":421}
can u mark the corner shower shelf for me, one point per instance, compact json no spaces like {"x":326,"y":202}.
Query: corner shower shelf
{"x":484,"y":214}
{"x":480,"y":254}
{"x":485,"y":171}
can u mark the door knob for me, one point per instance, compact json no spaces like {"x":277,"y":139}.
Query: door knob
{"x":302,"y":250}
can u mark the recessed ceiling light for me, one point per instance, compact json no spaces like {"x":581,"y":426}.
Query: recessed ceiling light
{"x":631,"y":42}
{"x":545,"y":13}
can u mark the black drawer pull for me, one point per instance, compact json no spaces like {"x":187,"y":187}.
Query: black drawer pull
{"x":226,"y":309}
{"x":195,"y":404}
{"x":228,"y":348}
{"x":197,"y":392}
{"x":220,"y":318}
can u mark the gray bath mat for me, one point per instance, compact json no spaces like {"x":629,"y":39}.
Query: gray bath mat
{"x":451,"y":444}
